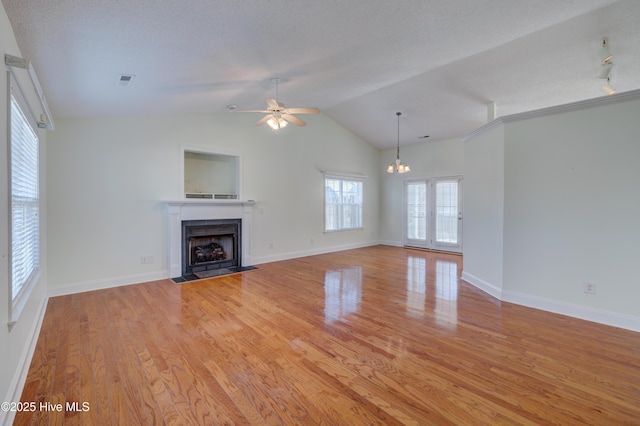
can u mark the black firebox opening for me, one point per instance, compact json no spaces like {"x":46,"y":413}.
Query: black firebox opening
{"x":208,"y":245}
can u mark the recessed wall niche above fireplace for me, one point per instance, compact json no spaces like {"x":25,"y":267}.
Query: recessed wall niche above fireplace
{"x":209,"y":175}
{"x":211,"y":245}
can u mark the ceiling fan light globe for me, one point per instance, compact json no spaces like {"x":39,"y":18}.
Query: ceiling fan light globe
{"x":276,"y":123}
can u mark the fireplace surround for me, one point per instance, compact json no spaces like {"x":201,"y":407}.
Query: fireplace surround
{"x":207,"y":210}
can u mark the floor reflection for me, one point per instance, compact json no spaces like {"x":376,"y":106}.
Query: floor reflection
{"x":342,"y":292}
{"x":423,"y":272}
{"x":416,"y":284}
{"x":446,"y":292}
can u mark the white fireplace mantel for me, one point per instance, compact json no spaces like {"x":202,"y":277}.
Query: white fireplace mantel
{"x":197,"y":209}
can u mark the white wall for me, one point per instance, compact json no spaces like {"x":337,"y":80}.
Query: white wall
{"x":18,"y":343}
{"x":482,"y":228}
{"x":429,"y":159}
{"x":572,"y":207}
{"x":569,"y":179}
{"x":108,"y":177}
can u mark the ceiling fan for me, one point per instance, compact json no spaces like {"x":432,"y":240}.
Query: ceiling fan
{"x":278,"y":115}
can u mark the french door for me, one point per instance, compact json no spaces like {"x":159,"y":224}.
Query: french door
{"x":433,"y":213}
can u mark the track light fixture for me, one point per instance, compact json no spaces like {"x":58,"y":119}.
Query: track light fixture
{"x":608,"y":89}
{"x":606,"y":65}
{"x":605,"y":70}
{"x":605,"y":55}
{"x":398,"y":166}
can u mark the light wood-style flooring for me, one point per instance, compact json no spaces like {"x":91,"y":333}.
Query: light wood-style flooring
{"x":378,"y":335}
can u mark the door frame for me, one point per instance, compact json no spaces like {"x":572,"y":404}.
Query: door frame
{"x":430,"y":242}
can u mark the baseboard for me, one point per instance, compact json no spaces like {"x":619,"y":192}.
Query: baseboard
{"x":100,"y":284}
{"x":482,"y":285}
{"x":20,"y":376}
{"x":391,"y":243}
{"x":304,"y":253}
{"x":577,"y":311}
{"x":587,"y":313}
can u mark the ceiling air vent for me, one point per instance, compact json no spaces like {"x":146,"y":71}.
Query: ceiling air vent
{"x":125,"y":80}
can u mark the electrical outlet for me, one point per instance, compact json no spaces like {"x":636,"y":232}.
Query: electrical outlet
{"x":589,"y":288}
{"x":146,"y":260}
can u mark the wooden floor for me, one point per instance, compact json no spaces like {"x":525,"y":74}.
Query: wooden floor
{"x":378,"y":335}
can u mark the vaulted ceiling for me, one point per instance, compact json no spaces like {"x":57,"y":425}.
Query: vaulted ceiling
{"x":438,"y":62}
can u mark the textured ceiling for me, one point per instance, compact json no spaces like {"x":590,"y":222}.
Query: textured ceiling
{"x":439,"y":62}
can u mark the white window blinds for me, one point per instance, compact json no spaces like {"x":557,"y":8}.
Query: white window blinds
{"x":25,"y":206}
{"x":343,"y":203}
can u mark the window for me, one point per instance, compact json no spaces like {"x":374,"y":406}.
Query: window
{"x":342,"y":203}
{"x":25,"y":207}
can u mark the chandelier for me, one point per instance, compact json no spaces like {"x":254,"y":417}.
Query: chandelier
{"x":398,"y":166}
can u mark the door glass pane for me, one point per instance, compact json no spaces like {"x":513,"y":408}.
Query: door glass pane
{"x":417,"y":211}
{"x":446,"y":212}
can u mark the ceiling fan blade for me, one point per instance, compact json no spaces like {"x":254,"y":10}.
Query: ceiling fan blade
{"x":293,"y":119}
{"x":303,"y":110}
{"x":273,"y":104}
{"x":264,"y":119}
{"x":264,"y":111}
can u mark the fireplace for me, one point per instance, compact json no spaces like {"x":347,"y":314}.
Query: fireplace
{"x":211,"y":245}
{"x":211,"y":212}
